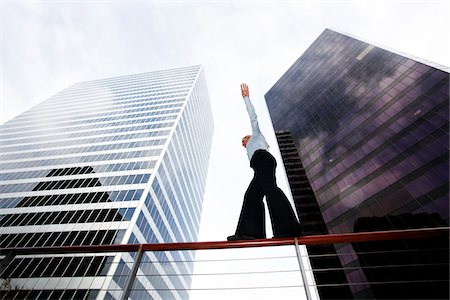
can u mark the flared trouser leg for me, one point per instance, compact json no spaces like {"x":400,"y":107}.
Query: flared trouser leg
{"x":252,"y":219}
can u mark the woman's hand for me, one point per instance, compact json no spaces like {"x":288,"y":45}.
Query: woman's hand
{"x":244,"y":90}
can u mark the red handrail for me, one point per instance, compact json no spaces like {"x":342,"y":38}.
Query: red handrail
{"x":305,"y":240}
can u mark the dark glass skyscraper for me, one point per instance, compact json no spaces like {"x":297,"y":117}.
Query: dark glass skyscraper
{"x":320,"y":256}
{"x":371,"y":130}
{"x":110,"y":161}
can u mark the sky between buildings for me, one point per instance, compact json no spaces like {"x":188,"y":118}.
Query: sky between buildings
{"x":48,"y":45}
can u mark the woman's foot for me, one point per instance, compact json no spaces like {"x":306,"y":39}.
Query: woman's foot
{"x":298,"y":233}
{"x":238,"y":237}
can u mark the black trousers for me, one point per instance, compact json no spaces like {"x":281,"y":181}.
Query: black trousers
{"x":252,"y":218}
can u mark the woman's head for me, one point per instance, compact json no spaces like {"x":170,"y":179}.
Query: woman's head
{"x":245,"y":140}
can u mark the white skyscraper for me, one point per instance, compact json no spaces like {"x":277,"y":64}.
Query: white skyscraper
{"x":110,"y":161}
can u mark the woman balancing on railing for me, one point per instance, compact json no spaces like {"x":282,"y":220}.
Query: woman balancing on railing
{"x":251,"y":223}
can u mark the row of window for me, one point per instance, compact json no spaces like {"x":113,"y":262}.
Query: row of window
{"x":62,"y":199}
{"x":83,"y":159}
{"x":76,"y":198}
{"x":94,"y":128}
{"x":49,"y":294}
{"x":160,"y":77}
{"x":65,"y":109}
{"x":72,"y":122}
{"x":122,"y":101}
{"x":89,"y":149}
{"x":125,"y":84}
{"x":93,"y":97}
{"x":75,"y":183}
{"x":62,"y":238}
{"x":89,"y":115}
{"x":160,"y":130}
{"x":71,"y":171}
{"x":62,"y":136}
{"x":67,"y":217}
{"x":62,"y":184}
{"x":108,"y":168}
{"x":38,"y":267}
{"x":36,"y":131}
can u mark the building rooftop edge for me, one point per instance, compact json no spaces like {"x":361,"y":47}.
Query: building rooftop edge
{"x":199,"y":66}
{"x":407,"y":55}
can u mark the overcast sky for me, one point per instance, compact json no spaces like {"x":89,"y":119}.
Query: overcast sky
{"x":48,"y":45}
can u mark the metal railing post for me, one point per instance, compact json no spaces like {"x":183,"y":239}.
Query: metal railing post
{"x":132,"y":275}
{"x":302,"y":271}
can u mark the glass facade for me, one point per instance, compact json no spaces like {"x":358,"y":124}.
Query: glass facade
{"x":371,"y":130}
{"x":332,"y":283}
{"x":116,"y":160}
